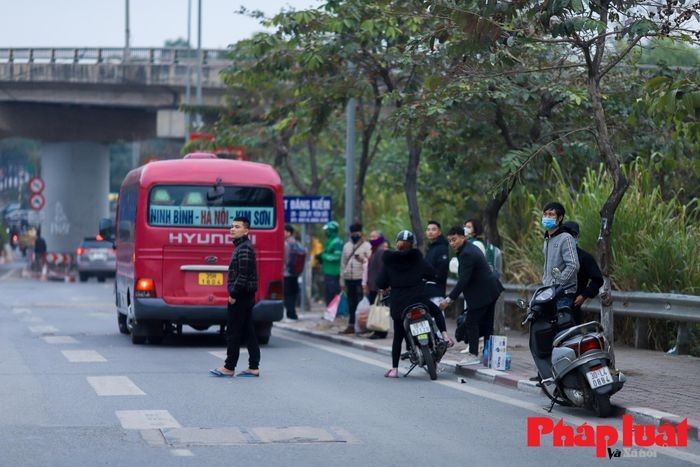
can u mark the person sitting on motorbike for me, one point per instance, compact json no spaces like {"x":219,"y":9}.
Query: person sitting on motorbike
{"x":405,"y":271}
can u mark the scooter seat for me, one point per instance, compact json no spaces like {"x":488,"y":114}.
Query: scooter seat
{"x":591,"y":326}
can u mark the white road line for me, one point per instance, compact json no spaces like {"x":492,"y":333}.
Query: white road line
{"x":146,"y":419}
{"x":114,"y":386}
{"x":83,"y":356}
{"x":59,"y":340}
{"x":222,"y":353}
{"x":7,"y":274}
{"x":181,"y":452}
{"x":43,"y":329}
{"x":533,"y":407}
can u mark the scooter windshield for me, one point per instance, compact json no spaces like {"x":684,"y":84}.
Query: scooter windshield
{"x":544,"y":295}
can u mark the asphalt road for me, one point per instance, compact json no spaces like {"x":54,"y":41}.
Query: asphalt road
{"x":74,"y":391}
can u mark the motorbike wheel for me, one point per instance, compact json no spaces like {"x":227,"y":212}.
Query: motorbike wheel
{"x":429,"y":361}
{"x":601,"y":404}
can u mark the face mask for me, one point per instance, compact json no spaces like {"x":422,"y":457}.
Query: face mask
{"x":355,"y":238}
{"x":549,"y":223}
{"x":467,"y":232}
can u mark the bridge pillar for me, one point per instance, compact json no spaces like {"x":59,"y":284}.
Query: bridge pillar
{"x":77,"y":184}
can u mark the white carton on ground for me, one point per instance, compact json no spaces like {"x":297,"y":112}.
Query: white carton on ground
{"x":499,"y":348}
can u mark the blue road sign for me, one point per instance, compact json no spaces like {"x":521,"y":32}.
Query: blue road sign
{"x":307,"y":209}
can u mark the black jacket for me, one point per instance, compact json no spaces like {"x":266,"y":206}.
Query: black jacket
{"x":476,"y":280}
{"x":405,"y":272}
{"x":589,"y":277}
{"x":242,"y":270}
{"x":437,"y":255}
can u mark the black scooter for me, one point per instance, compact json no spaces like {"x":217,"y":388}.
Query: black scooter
{"x":576,"y":365}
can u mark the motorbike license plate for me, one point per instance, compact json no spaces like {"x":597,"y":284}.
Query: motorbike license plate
{"x":599,"y":377}
{"x":210,"y":278}
{"x":421,"y":327}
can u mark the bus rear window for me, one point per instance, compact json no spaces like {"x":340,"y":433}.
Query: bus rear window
{"x":200,"y":206}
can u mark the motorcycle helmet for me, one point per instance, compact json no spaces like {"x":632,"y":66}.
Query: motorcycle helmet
{"x":405,"y":235}
{"x":331,"y":226}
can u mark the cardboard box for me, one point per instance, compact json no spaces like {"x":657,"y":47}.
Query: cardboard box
{"x":499,"y":348}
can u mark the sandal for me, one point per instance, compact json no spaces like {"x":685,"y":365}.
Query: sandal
{"x":391,"y":373}
{"x":220,"y":374}
{"x":248,"y":374}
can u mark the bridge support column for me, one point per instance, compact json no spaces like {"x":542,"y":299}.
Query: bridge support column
{"x":77,"y":185}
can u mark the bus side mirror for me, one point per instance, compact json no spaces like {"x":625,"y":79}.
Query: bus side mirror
{"x":106,"y":229}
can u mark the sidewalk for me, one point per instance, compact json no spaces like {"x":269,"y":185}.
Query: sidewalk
{"x":660,"y":388}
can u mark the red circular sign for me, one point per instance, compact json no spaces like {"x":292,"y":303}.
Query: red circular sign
{"x":36,"y":201}
{"x":36,"y":185}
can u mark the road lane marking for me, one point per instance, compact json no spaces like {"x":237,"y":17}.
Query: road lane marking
{"x":43,"y":329}
{"x":530,"y":406}
{"x":181,"y":452}
{"x":83,"y":356}
{"x":222,"y":353}
{"x":146,"y":419}
{"x":114,"y":386}
{"x":59,"y":340}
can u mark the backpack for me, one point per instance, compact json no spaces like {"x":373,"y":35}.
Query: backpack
{"x":494,"y":257}
{"x":297,"y":258}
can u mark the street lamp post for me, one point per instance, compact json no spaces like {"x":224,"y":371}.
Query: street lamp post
{"x":199,"y":63}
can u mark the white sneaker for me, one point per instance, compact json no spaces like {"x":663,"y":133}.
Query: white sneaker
{"x":470,"y":360}
{"x":466,"y":350}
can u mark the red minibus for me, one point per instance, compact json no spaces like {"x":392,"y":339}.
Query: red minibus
{"x":173,"y":244}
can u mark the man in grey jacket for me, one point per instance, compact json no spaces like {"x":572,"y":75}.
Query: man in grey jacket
{"x":560,"y":253}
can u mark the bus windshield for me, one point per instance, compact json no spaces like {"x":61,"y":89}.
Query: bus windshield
{"x":200,"y":206}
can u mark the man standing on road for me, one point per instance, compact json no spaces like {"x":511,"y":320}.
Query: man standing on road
{"x":438,"y":256}
{"x":291,"y":278}
{"x":477,"y":283}
{"x":589,"y":279}
{"x":330,"y":261}
{"x":242,"y":285}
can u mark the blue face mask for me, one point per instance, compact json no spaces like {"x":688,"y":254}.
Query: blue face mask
{"x":549,"y":223}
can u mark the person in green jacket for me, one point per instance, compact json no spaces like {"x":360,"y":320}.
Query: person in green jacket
{"x":330,"y":261}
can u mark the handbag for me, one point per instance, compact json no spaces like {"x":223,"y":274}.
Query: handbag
{"x":379,"y":318}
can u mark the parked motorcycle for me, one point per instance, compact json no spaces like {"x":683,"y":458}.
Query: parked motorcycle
{"x":425,"y":344}
{"x":576,"y":364}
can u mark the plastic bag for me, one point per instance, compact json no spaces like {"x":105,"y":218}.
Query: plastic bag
{"x":343,"y":306}
{"x":379,"y":318}
{"x":361,"y":315}
{"x":332,"y":309}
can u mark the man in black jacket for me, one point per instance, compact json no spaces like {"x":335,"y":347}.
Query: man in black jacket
{"x":437,"y":255}
{"x":589,"y":278}
{"x":477,"y":283}
{"x":242,"y":285}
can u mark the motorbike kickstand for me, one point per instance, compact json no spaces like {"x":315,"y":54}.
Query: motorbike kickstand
{"x":551,"y":406}
{"x":410,"y":370}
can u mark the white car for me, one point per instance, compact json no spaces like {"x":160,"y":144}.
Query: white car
{"x":96,"y":257}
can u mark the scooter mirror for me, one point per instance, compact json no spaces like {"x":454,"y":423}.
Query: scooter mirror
{"x":556,"y":273}
{"x":520,"y":303}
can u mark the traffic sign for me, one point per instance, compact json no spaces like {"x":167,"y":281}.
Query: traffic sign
{"x":36,"y":185}
{"x":307,"y":209}
{"x":37,"y":201}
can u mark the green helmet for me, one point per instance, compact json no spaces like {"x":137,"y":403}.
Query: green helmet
{"x":331,"y":226}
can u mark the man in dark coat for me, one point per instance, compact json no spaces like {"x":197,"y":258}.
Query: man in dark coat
{"x":438,"y":256}
{"x":589,"y":278}
{"x":477,"y":283}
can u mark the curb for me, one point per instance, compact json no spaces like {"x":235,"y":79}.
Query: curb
{"x":640,"y":415}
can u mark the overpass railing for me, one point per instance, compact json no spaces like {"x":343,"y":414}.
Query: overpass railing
{"x":115,"y":55}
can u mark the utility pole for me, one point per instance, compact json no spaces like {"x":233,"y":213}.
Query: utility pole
{"x":200,"y":59}
{"x":188,"y":82}
{"x":127,"y":38}
{"x":350,"y":162}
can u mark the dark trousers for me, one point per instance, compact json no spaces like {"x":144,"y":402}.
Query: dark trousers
{"x":471,"y":327}
{"x":486,"y":323}
{"x":354,"y":292}
{"x":371,"y":297}
{"x":399,"y":336}
{"x":239,"y":328}
{"x":331,"y":287}
{"x":291,"y":292}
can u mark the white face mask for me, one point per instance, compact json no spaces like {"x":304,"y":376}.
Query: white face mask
{"x":467,"y":232}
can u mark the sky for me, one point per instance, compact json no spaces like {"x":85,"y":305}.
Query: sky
{"x":101,"y":23}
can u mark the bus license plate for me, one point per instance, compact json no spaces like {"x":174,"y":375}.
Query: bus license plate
{"x":599,"y":377}
{"x":421,"y":327}
{"x":211,"y":278}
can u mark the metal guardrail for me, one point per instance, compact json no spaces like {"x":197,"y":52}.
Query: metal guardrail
{"x":673,"y":307}
{"x":96,"y":55}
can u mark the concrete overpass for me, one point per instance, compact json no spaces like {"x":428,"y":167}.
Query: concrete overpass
{"x":76,"y":101}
